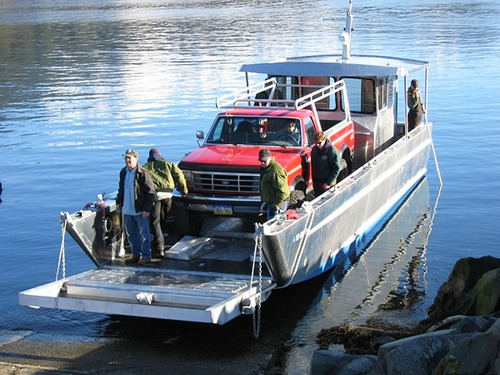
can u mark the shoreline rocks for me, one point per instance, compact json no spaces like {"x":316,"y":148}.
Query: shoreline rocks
{"x":461,"y":334}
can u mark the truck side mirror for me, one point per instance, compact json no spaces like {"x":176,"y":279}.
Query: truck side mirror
{"x":200,"y":136}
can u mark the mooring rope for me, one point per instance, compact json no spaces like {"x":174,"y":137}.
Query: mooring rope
{"x":61,"y":265}
{"x":433,"y":150}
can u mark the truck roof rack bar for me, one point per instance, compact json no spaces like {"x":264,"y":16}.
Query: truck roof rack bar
{"x":319,"y":94}
{"x":270,"y":86}
{"x":310,"y":99}
{"x":248,"y":94}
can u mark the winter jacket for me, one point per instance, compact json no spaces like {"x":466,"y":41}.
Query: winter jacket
{"x":144,"y":191}
{"x":166,"y":176}
{"x":325,"y":163}
{"x":274,"y":188}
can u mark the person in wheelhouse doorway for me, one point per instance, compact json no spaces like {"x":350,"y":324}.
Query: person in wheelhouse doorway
{"x":274,"y":190}
{"x":135,"y":199}
{"x":325,"y":160}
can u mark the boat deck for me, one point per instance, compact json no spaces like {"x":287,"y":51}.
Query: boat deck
{"x":202,"y":254}
{"x":202,"y":279}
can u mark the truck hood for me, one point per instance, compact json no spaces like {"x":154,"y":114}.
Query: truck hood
{"x":234,"y":158}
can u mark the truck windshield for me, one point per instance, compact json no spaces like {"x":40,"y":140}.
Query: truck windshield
{"x":279,"y":131}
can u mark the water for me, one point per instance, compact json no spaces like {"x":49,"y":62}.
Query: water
{"x":81,"y":82}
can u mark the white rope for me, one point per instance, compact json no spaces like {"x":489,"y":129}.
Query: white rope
{"x":61,"y":265}
{"x":433,"y":150}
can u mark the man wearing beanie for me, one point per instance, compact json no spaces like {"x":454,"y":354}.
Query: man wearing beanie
{"x":166,"y":177}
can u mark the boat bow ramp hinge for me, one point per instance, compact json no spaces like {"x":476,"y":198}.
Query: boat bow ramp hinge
{"x":145,"y":298}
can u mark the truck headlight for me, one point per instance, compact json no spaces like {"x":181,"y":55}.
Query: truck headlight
{"x":188,"y":175}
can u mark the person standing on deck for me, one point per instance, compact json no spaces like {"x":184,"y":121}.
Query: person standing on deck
{"x":325,"y":160}
{"x":166,"y":177}
{"x":135,"y":200}
{"x":274,"y":190}
{"x":415,"y":105}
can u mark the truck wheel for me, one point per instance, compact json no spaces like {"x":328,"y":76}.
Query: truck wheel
{"x":297,"y":197}
{"x":187,"y":222}
{"x":344,"y":170}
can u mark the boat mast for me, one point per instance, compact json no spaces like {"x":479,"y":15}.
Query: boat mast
{"x":346,"y":34}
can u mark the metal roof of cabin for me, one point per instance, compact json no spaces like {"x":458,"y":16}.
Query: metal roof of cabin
{"x":334,"y":65}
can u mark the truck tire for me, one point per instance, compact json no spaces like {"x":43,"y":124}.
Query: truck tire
{"x":344,"y":170}
{"x":195,"y":222}
{"x":297,"y":197}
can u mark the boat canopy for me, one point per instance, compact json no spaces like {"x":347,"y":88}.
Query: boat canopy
{"x":336,"y":66}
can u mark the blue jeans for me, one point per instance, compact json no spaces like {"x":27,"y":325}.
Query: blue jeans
{"x":271,"y":211}
{"x":138,"y":234}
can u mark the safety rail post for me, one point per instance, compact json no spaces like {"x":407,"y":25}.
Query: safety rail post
{"x":315,"y":96}
{"x":245,"y":94}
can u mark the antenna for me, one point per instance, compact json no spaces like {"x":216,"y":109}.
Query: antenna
{"x":346,"y":34}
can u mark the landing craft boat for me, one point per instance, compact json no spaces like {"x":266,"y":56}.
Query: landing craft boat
{"x":228,"y":270}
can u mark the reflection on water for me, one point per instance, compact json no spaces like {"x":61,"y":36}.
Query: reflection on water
{"x":385,"y":281}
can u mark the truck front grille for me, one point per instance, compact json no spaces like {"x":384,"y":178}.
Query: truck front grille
{"x":223,"y":182}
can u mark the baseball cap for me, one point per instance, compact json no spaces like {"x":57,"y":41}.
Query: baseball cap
{"x":131,"y":152}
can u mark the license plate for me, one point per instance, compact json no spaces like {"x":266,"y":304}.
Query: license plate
{"x":223,"y":210}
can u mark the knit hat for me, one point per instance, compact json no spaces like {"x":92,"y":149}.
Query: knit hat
{"x":154,"y":154}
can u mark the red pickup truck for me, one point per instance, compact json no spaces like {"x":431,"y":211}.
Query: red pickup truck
{"x":223,"y":173}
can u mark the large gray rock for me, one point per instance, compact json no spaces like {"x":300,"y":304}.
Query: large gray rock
{"x":485,"y":297}
{"x":417,"y":355}
{"x":326,"y":362}
{"x":464,"y":294}
{"x":470,"y":346}
{"x":475,"y":355}
{"x":463,"y":338}
{"x":463,"y":323}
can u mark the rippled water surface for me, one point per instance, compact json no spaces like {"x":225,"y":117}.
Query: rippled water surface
{"x":82,"y":81}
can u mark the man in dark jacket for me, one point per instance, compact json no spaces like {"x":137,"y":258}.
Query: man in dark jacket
{"x":416,"y":108}
{"x":325,"y":160}
{"x":135,"y":200}
{"x":166,"y":177}
{"x":274,"y":190}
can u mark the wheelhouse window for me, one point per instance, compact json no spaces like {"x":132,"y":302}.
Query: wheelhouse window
{"x":382,"y":93}
{"x":361,"y":93}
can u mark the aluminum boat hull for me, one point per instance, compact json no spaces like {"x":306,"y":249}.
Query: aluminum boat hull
{"x":300,"y":249}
